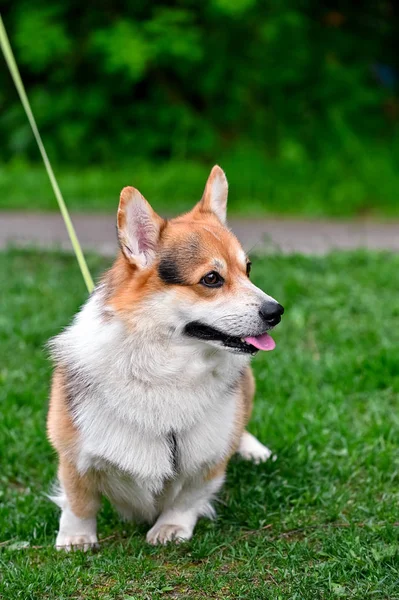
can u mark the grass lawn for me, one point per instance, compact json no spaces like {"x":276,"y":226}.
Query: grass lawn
{"x":320,"y":522}
{"x":349,"y":184}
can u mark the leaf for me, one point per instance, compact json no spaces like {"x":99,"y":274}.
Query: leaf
{"x":338,"y":590}
{"x":18,"y":545}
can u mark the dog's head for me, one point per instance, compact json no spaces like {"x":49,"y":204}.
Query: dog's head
{"x":189,"y":276}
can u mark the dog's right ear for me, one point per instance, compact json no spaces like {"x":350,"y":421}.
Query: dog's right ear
{"x":139,"y":227}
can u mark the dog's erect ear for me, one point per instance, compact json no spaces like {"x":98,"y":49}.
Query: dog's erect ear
{"x":215,"y":194}
{"x":138,"y":227}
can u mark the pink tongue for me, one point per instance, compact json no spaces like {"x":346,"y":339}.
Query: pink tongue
{"x":262,"y":342}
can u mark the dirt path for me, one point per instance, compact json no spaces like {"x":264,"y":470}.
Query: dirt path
{"x":97,"y":232}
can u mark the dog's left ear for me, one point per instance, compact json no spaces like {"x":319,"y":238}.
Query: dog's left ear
{"x":215,"y":194}
{"x":139,"y":228}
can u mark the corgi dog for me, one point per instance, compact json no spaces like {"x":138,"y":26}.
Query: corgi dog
{"x":152,"y":388}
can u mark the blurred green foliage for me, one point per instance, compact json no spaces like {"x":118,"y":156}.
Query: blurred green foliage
{"x":124,"y":79}
{"x":286,"y":85}
{"x":334,"y":187}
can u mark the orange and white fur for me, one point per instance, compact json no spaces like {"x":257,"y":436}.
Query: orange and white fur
{"x":152,"y":388}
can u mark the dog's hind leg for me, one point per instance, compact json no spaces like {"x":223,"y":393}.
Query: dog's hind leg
{"x":249,"y":447}
{"x":252,"y":449}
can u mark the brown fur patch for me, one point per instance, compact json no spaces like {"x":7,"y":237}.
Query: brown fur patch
{"x":127,"y":286}
{"x":81,"y":491}
{"x":61,"y":430}
{"x":198,"y":246}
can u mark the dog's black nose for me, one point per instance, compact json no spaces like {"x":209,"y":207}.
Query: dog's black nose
{"x":271,"y":312}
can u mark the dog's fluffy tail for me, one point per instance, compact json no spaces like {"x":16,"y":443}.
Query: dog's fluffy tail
{"x":57,"y":495}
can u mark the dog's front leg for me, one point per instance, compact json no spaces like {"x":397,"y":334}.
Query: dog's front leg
{"x":181,"y":512}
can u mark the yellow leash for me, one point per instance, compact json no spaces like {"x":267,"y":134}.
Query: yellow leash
{"x":12,"y":65}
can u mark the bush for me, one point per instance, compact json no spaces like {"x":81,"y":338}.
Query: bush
{"x":196,"y":80}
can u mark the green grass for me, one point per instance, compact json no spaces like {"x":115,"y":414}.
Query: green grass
{"x":320,"y":522}
{"x":360,"y":182}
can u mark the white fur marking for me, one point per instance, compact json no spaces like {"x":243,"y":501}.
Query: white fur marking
{"x":242,"y":257}
{"x":251,"y":449}
{"x":177,"y":522}
{"x":74,"y":533}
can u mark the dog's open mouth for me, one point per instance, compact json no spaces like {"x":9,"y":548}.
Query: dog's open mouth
{"x":246,"y":345}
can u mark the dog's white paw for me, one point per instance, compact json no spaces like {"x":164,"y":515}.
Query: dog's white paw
{"x":251,"y":449}
{"x":82,"y":541}
{"x":164,"y":533}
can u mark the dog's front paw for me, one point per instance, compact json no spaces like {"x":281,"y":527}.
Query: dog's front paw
{"x":164,"y":533}
{"x":251,"y":449}
{"x":82,"y":541}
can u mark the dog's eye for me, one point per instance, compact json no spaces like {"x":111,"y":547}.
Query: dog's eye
{"x":249,"y":265}
{"x":212,"y":279}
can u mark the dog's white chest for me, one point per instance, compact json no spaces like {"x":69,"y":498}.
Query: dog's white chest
{"x":151,"y":433}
